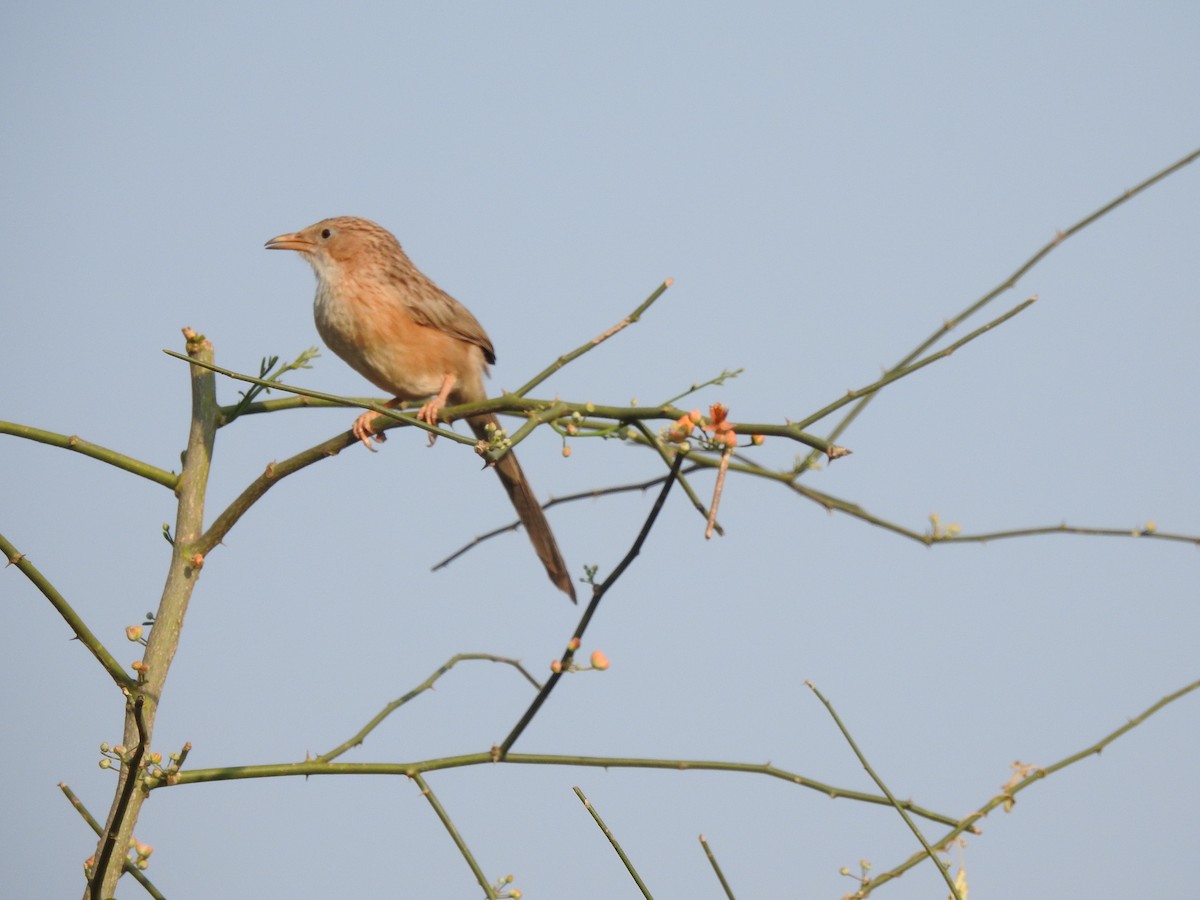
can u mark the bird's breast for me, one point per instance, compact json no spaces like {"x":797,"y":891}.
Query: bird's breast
{"x":374,"y":333}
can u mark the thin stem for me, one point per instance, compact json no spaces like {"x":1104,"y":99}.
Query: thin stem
{"x":554,"y":501}
{"x":268,"y":372}
{"x":717,"y":382}
{"x":887,"y":792}
{"x":716,"y":868}
{"x":904,"y":371}
{"x":429,"y":795}
{"x":1005,"y":797}
{"x":616,"y":845}
{"x":95,"y":451}
{"x":711,"y":523}
{"x":1062,"y":528}
{"x":1011,"y":282}
{"x":594,"y":342}
{"x":296,"y":401}
{"x":86,"y":637}
{"x":424,"y":686}
{"x":831,"y":503}
{"x":311,"y":768}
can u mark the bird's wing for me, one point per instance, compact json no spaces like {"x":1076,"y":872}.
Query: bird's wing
{"x":431,"y":306}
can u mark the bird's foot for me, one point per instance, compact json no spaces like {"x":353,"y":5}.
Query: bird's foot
{"x":429,"y":413}
{"x":362,"y":430}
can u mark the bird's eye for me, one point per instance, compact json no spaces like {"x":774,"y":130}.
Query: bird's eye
{"x":325,"y":233}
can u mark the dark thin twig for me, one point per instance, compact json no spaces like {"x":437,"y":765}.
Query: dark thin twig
{"x":130,"y":868}
{"x":130,"y":769}
{"x":566,"y":498}
{"x":598,"y":593}
{"x":667,"y":457}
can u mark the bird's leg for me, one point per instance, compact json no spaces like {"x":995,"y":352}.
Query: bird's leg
{"x":429,"y":412}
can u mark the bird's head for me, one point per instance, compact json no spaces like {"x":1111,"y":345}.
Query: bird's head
{"x":341,"y":246}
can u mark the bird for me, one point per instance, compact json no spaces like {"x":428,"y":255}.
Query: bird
{"x":408,"y":337}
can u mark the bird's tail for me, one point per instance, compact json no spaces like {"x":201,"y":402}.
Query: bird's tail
{"x":529,"y":510}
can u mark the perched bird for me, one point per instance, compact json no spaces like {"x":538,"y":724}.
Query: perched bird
{"x":408,"y":337}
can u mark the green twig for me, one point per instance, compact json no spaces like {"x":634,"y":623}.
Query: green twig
{"x":904,"y":371}
{"x":95,"y":451}
{"x":594,"y":342}
{"x":720,"y":380}
{"x":272,"y":475}
{"x":513,"y":404}
{"x":72,"y":618}
{"x":716,"y":868}
{"x":424,"y":686}
{"x":887,"y":793}
{"x":1007,"y":795}
{"x":311,"y":768}
{"x":268,"y":373}
{"x":391,"y":415}
{"x":429,"y":795}
{"x":1009,"y":283}
{"x":831,"y":503}
{"x":612,"y":839}
{"x":1145,"y":531}
{"x":698,"y":460}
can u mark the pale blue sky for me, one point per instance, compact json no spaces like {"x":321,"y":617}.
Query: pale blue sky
{"x":826,"y":183}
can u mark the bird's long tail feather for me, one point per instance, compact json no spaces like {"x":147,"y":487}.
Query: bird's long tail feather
{"x":529,"y":510}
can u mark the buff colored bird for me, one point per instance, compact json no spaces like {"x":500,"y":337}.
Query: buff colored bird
{"x":408,"y":337}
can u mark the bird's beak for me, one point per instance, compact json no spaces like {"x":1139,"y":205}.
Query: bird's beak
{"x":290,"y":242}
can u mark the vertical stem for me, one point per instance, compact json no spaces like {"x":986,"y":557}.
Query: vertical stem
{"x":168,"y":621}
